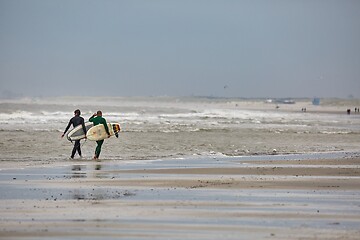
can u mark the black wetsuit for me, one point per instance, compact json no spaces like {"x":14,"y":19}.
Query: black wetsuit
{"x":76,"y":121}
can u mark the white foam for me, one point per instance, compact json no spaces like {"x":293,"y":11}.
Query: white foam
{"x":176,"y":116}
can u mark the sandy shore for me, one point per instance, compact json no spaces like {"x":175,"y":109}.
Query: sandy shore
{"x":200,"y":198}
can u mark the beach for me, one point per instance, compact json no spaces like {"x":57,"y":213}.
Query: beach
{"x":182,"y":169}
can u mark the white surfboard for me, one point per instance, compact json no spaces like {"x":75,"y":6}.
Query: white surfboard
{"x":77,"y":132}
{"x":98,"y":132}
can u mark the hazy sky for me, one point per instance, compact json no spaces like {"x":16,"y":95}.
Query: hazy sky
{"x":254,"y":48}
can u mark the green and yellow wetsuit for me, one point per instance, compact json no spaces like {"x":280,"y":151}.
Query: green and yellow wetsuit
{"x":99,"y":120}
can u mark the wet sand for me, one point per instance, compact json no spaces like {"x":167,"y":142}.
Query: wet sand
{"x":262,"y":197}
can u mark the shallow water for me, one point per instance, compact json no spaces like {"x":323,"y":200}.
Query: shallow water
{"x":57,"y":196}
{"x":13,"y":181}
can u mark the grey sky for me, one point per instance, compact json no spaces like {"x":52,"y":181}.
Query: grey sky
{"x":257,"y":48}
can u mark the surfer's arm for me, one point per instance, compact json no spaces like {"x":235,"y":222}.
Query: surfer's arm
{"x":67,"y":128}
{"x":83,"y":127}
{"x":106,"y":127}
{"x":91,"y":119}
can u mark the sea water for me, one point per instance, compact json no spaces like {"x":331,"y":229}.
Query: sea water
{"x":178,"y":127}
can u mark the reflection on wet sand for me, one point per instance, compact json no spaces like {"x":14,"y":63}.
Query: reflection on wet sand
{"x":80,"y":171}
{"x":201,"y":198}
{"x":98,"y":167}
{"x":76,"y":171}
{"x":97,"y":193}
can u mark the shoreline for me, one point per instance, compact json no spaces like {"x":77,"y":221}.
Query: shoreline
{"x":16,"y":163}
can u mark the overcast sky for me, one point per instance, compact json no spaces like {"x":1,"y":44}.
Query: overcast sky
{"x":223,"y":48}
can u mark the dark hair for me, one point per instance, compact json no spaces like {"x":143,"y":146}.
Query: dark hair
{"x":77,"y":112}
{"x":99,"y":113}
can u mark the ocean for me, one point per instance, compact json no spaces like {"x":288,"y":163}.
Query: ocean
{"x":179,"y":127}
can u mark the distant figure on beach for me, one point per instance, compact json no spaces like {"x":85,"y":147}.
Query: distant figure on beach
{"x":98,"y":119}
{"x":349,"y":111}
{"x":75,"y":121}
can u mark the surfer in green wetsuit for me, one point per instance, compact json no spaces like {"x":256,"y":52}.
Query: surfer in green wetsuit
{"x":98,"y":119}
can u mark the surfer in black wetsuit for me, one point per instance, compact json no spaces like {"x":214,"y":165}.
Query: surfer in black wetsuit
{"x":76,"y":121}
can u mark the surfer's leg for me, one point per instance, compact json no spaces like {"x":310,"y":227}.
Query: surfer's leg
{"x":74,"y":150}
{"x":78,"y":147}
{"x":98,"y":148}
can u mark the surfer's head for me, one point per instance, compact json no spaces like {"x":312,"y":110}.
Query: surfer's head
{"x":99,"y":113}
{"x":77,"y":112}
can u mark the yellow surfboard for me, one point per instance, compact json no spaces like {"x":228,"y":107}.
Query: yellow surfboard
{"x":98,"y":132}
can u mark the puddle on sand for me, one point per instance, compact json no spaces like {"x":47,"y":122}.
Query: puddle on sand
{"x":14,"y":184}
{"x":223,"y":203}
